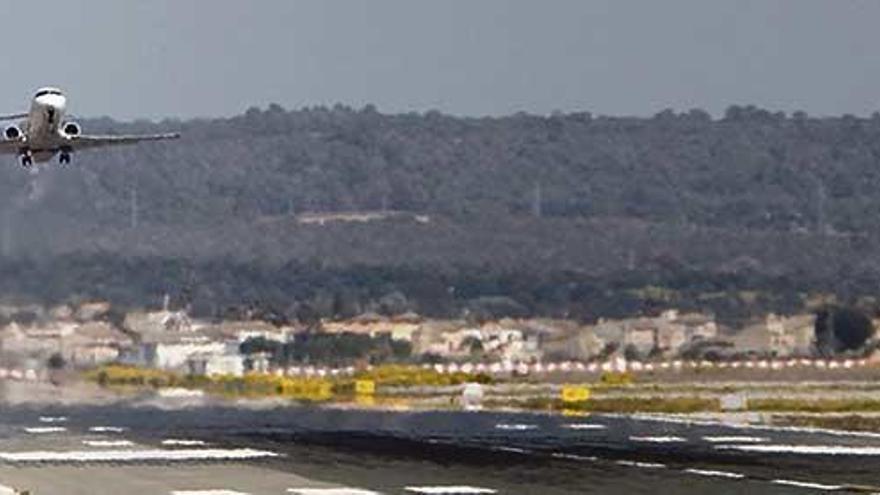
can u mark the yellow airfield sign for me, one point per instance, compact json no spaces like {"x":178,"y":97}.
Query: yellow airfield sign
{"x":575,"y":393}
{"x":365,"y":387}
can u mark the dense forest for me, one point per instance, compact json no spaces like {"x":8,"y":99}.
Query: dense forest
{"x":566,"y":215}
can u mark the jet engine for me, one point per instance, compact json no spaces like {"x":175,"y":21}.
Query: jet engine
{"x":71,"y":129}
{"x":12,"y":132}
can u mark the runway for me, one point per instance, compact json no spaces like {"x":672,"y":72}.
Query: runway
{"x":216,"y":450}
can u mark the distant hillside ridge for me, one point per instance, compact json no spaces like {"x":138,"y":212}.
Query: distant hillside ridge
{"x":752,"y":169}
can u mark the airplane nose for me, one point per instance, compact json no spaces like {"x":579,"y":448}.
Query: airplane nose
{"x":57,"y":102}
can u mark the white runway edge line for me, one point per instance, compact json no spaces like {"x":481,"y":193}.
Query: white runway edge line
{"x":515,"y":427}
{"x":107,"y":429}
{"x":53,"y":419}
{"x":207,"y":492}
{"x":45,"y":429}
{"x":515,"y":450}
{"x":183,"y":442}
{"x":673,"y":419}
{"x":134,"y":455}
{"x":574,"y":457}
{"x":645,"y":465}
{"x":331,"y":491}
{"x":805,"y":484}
{"x":667,"y":439}
{"x":736,"y":439}
{"x":716,"y":474}
{"x":108,"y":443}
{"x":805,"y":449}
{"x":584,"y":426}
{"x":448,"y":490}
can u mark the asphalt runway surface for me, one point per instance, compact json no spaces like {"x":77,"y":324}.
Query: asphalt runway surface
{"x":219,"y":450}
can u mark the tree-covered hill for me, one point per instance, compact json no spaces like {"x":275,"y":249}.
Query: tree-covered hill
{"x":567,"y":214}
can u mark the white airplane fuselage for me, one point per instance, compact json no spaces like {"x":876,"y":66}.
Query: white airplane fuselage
{"x":46,"y":115}
{"x":43,"y":125}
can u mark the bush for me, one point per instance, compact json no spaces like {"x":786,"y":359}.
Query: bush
{"x":263,"y":385}
{"x":615,"y":379}
{"x":815,"y":406}
{"x":676,"y":405}
{"x":404,"y":376}
{"x":132,"y":376}
{"x":251,"y":385}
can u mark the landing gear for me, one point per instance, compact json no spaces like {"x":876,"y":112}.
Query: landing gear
{"x":26,"y":157}
{"x":64,"y":157}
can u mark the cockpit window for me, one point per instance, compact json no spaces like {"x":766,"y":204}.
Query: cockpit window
{"x":43,"y":92}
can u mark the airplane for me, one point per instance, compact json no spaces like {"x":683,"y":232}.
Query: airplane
{"x":44,"y":133}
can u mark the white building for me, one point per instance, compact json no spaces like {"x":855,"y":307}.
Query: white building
{"x":94,"y":343}
{"x":212,"y":364}
{"x":778,"y":336}
{"x":172,"y":353}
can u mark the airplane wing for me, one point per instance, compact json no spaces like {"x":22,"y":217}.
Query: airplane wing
{"x":88,"y":142}
{"x":13,"y":116}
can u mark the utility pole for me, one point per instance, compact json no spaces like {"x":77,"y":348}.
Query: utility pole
{"x":133,"y":208}
{"x":7,"y":232}
{"x":537,"y":201}
{"x":821,"y":222}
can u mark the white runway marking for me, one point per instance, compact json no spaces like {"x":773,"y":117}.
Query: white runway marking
{"x":108,"y":443}
{"x":646,"y":465}
{"x":736,"y":439}
{"x":584,"y":426}
{"x":133,"y":455}
{"x":207,"y":492}
{"x":705,"y":422}
{"x":53,"y":419}
{"x":107,"y":429}
{"x":448,"y":490}
{"x":45,"y":429}
{"x":805,"y":449}
{"x":183,"y":442}
{"x":331,"y":491}
{"x":515,"y":450}
{"x":806,"y":484}
{"x":716,"y":474}
{"x":574,"y":457}
{"x":667,"y":439}
{"x":515,"y":427}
